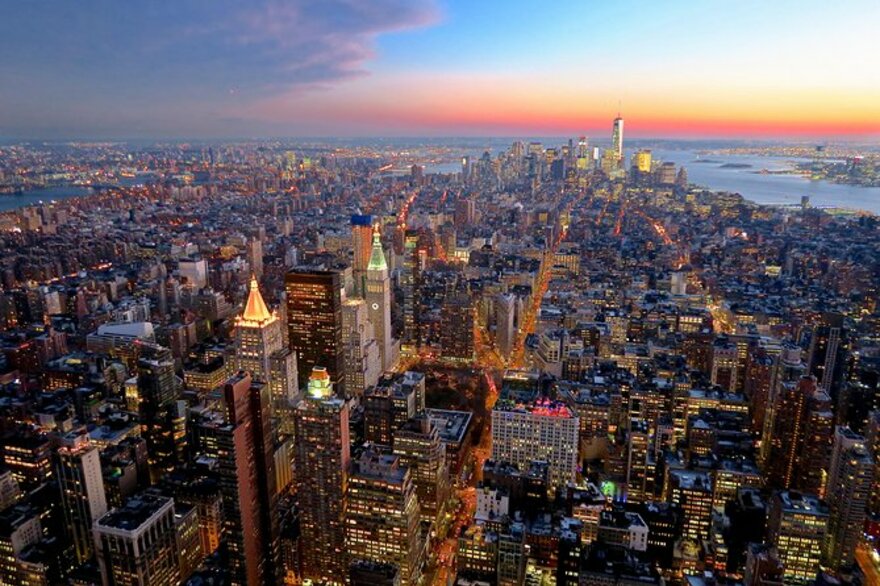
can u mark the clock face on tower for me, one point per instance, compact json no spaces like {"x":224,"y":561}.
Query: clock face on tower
{"x":375,"y":306}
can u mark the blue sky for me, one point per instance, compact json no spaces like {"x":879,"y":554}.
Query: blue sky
{"x":111,"y":68}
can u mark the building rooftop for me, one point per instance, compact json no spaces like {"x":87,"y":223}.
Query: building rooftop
{"x":452,"y":425}
{"x":136,"y":512}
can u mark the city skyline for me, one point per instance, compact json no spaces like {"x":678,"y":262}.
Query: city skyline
{"x":694,"y":70}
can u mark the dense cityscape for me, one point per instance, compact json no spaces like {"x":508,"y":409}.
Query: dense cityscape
{"x":263,"y":363}
{"x":439,"y":293}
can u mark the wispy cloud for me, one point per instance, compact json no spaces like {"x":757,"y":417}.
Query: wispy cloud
{"x":67,"y":65}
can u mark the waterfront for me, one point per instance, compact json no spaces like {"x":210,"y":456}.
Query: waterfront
{"x":44,"y":195}
{"x":770,"y":189}
{"x":743,"y":178}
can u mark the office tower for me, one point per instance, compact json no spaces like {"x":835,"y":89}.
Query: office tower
{"x":362,"y":247}
{"x":789,"y":369}
{"x":314,"y":322}
{"x":417,"y":443}
{"x":361,"y":356}
{"x":378,"y":296}
{"x":82,"y":489}
{"x":691,"y":491}
{"x":206,"y":496}
{"x":826,"y":343}
{"x":322,"y":469}
{"x":757,"y":386}
{"x":136,"y":543}
{"x":382,"y":519}
{"x":800,"y":438}
{"x":410,"y":278}
{"x":160,"y":417}
{"x":258,"y":334}
{"x":617,"y":139}
{"x":541,"y":430}
{"x":850,"y":476}
{"x":29,"y":457}
{"x":284,"y":389}
{"x":457,"y":328}
{"x":187,"y":539}
{"x":505,"y":320}
{"x":239,"y":440}
{"x":393,"y":401}
{"x":255,"y":256}
{"x":639,"y":469}
{"x":796,"y":525}
{"x":641,"y":161}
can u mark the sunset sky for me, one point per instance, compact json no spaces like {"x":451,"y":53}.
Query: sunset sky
{"x":229,"y":68}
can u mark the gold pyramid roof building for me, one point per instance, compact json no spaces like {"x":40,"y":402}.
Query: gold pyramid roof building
{"x":256,"y":313}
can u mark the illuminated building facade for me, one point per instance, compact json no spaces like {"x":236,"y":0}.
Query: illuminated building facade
{"x":322,"y":474}
{"x":617,"y":138}
{"x":691,"y":491}
{"x":417,"y":444}
{"x":136,"y":544}
{"x":847,"y":493}
{"x":378,"y":298}
{"x":82,"y":490}
{"x":796,"y":524}
{"x":382,"y":518}
{"x":361,"y":356}
{"x":257,"y":336}
{"x":239,"y":440}
{"x":361,"y":243}
{"x":410,"y":278}
{"x":457,"y":328}
{"x":542,"y":430}
{"x":314,"y":322}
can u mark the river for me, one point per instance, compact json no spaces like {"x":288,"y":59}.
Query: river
{"x":766,"y":188}
{"x":43,"y":195}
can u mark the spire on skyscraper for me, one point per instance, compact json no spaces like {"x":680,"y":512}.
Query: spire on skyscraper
{"x":377,"y":256}
{"x":256,"y":310}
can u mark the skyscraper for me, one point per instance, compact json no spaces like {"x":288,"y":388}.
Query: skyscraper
{"x":796,"y":525}
{"x":417,"y":444}
{"x":322,"y":473}
{"x":161,"y":427}
{"x":378,"y":296}
{"x":382,"y":519}
{"x":361,"y":243}
{"x":617,"y":138}
{"x":850,"y":476}
{"x":361,"y":356}
{"x":800,"y":437}
{"x":239,"y":439}
{"x":136,"y":543}
{"x":257,"y":336}
{"x":410,"y":277}
{"x":314,"y":320}
{"x":457,"y":328}
{"x":542,"y":430}
{"x":82,"y":489}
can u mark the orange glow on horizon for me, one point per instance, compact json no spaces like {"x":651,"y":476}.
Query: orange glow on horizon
{"x":502,"y":105}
